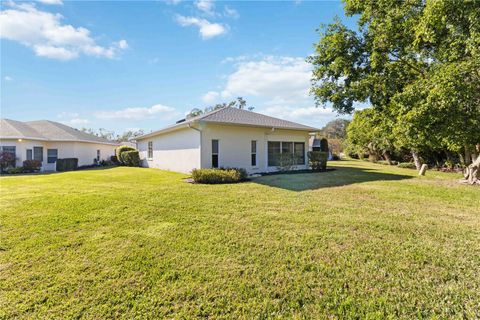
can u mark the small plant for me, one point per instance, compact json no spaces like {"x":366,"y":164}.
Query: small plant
{"x":122,"y":149}
{"x":286,"y":162}
{"x":217,"y":176}
{"x":114,"y":159}
{"x":15,"y":170}
{"x":31,"y":165}
{"x":318,"y":160}
{"x":130,"y":158}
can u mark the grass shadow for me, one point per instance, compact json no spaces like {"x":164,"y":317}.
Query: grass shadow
{"x":342,"y":176}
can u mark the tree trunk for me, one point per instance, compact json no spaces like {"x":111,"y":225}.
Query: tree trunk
{"x":468,"y":156}
{"x":472,"y":173}
{"x":416,"y":160}
{"x":387,"y":157}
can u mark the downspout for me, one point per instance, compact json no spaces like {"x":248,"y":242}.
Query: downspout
{"x":200,"y":131}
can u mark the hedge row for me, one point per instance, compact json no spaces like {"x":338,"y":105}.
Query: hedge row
{"x":222,"y":175}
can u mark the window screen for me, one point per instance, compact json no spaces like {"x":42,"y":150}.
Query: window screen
{"x":52,"y":155}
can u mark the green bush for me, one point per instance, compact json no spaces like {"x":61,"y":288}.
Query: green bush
{"x":15,"y":170}
{"x":122,"y":149}
{"x":407,"y":165}
{"x":130,"y":158}
{"x":286,"y":161}
{"x":31,"y":165}
{"x":67,"y":164}
{"x":216,"y":176}
{"x":114,"y":160}
{"x":317,"y":160}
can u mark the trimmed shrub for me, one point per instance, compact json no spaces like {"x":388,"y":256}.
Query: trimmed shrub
{"x":317,"y":160}
{"x":15,"y":170}
{"x":217,"y":176}
{"x":31,"y":165}
{"x":67,"y":164}
{"x":286,"y":162}
{"x":407,"y":165}
{"x":114,"y":159}
{"x":122,"y":149}
{"x":130,"y":158}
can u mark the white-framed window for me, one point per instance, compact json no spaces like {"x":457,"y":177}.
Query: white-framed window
{"x":38,"y":153}
{"x":215,"y":153}
{"x":29,"y":154}
{"x":253,"y":155}
{"x":52,"y":155}
{"x":276,"y":148}
{"x":150,"y":150}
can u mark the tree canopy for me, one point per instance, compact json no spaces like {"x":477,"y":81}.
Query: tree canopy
{"x":416,"y":62}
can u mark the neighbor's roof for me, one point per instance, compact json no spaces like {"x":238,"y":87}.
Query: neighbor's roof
{"x":45,"y":130}
{"x":235,"y":116}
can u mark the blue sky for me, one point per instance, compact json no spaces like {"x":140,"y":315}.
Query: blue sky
{"x":143,"y":65}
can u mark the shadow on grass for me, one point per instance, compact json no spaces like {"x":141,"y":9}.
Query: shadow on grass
{"x":342,"y":176}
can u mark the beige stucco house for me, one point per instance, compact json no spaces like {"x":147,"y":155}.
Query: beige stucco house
{"x":227,"y":137}
{"x":48,"y":141}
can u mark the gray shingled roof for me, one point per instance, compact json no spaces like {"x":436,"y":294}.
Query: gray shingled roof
{"x":235,"y":116}
{"x":45,"y":130}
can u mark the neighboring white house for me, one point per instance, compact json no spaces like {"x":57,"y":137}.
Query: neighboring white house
{"x":48,"y":141}
{"x":226,"y":137}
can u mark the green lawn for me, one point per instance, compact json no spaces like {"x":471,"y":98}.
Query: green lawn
{"x":363,"y":241}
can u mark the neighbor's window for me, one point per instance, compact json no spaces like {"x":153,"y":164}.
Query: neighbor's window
{"x":11,"y":150}
{"x":8,"y":149}
{"x":29,"y":154}
{"x":274,"y":150}
{"x":299,"y":152}
{"x":150,"y":150}
{"x":52,"y":155}
{"x":254,"y":153}
{"x":214,"y":153}
{"x":38,"y":153}
{"x":98,"y":154}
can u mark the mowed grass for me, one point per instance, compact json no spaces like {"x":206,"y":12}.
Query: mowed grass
{"x":363,"y":241}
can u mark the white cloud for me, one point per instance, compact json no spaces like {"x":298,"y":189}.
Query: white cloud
{"x":206,"y":6}
{"x":47,"y":36}
{"x":72,"y":119}
{"x":138,"y":113}
{"x":210,"y":96}
{"x":275,"y":86}
{"x":8,"y":78}
{"x":282,"y":80}
{"x":232,"y":13}
{"x":122,"y":44}
{"x":50,"y":1}
{"x":207,"y":29}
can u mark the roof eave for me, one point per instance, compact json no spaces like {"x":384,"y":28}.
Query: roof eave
{"x":261,"y":126}
{"x":165,"y":130}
